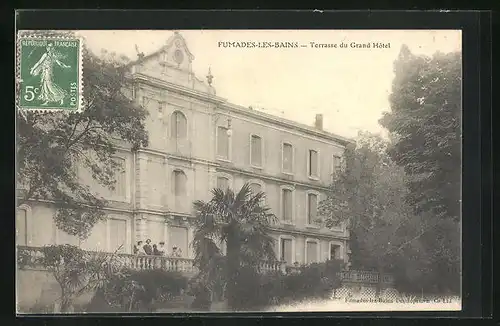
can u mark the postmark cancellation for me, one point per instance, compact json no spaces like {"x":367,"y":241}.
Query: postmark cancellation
{"x":49,"y":73}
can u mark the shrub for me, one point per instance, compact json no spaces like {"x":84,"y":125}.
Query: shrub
{"x":202,"y":294}
{"x":256,"y":291}
{"x":137,"y":290}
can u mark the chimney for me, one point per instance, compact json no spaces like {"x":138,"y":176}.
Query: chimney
{"x":318,"y":123}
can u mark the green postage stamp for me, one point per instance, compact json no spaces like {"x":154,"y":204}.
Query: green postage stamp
{"x":49,"y":73}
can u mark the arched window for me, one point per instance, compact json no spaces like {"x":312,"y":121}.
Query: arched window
{"x":255,"y":188}
{"x":178,"y":125}
{"x":179,"y":183}
{"x":222,"y":183}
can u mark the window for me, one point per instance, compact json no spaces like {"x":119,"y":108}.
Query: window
{"x":160,"y":109}
{"x":156,"y":230}
{"x":312,"y":209}
{"x":313,"y":163}
{"x":312,"y":252}
{"x":287,"y":158}
{"x":255,"y":188}
{"x":179,"y":183}
{"x":222,"y":143}
{"x":117,"y":235}
{"x":22,"y":227}
{"x":334,"y":251}
{"x":222,"y":183}
{"x":256,"y":151}
{"x":337,"y":164}
{"x":286,"y":254}
{"x":286,"y":205}
{"x":120,"y":177}
{"x":179,"y":125}
{"x":178,"y":237}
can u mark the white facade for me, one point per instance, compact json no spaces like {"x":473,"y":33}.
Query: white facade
{"x":190,"y":151}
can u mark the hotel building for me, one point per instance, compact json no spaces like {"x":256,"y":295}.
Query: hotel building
{"x":199,"y":141}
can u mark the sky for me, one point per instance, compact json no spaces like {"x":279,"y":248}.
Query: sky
{"x":349,"y":86}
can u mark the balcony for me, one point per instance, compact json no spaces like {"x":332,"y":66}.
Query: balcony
{"x":28,"y":258}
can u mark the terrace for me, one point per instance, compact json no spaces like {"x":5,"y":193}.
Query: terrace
{"x":30,"y":256}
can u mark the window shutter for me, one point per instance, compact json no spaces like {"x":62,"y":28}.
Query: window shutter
{"x":222,"y":143}
{"x":312,"y":208}
{"x":178,"y":238}
{"x":312,"y":252}
{"x":287,"y":205}
{"x":118,"y":235}
{"x":313,"y":163}
{"x":287,"y":158}
{"x":286,"y":251}
{"x":179,"y":183}
{"x":256,"y":150}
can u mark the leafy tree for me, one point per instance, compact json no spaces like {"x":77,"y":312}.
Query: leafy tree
{"x":367,"y":195}
{"x":241,"y":221}
{"x":51,"y":145}
{"x":76,"y":271}
{"x":386,"y":235}
{"x":424,"y":123}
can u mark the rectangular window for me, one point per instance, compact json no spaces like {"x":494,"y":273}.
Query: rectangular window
{"x":256,"y":151}
{"x":117,"y":235}
{"x":286,"y":210}
{"x":312,"y":252}
{"x":21,"y":227}
{"x":287,"y":158}
{"x":120,"y":177}
{"x":334,"y":251}
{"x":178,"y":237}
{"x":222,"y":183}
{"x":337,"y":164}
{"x":156,"y":231}
{"x":179,"y":183}
{"x":286,"y":251}
{"x":312,"y":209}
{"x":222,"y":143}
{"x":313,"y":163}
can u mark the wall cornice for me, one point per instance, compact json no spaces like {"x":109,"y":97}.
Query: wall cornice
{"x":225,"y":105}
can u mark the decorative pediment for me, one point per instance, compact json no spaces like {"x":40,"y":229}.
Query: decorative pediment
{"x":172,"y":63}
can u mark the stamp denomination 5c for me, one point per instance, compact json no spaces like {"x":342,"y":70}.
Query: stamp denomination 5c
{"x":49,"y":73}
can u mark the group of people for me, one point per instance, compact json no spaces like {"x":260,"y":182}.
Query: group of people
{"x":156,"y":250}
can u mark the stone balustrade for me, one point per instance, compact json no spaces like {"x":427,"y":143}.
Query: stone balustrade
{"x":27,"y":256}
{"x":365,"y":277}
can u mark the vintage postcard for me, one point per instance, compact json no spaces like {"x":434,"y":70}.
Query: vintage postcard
{"x":238,"y":171}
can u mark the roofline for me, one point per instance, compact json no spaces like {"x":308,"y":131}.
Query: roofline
{"x":222,"y":102}
{"x":168,"y":43}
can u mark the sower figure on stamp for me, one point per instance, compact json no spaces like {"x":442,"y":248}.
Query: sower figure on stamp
{"x":49,"y":90}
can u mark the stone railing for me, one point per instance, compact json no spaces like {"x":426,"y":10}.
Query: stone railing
{"x":28,"y":256}
{"x":354,"y":276}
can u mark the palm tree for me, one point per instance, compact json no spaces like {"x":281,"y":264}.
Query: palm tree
{"x":241,"y":221}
